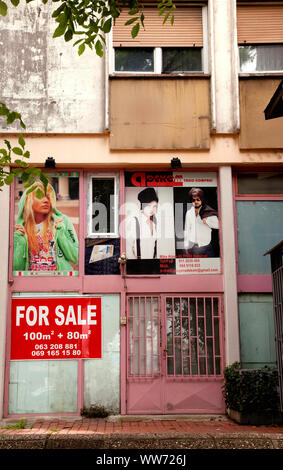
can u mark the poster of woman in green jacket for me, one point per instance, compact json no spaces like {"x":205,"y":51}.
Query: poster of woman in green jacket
{"x":45,"y":240}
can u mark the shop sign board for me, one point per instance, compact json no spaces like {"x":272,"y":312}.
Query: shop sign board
{"x":172,"y":223}
{"x":56,"y":328}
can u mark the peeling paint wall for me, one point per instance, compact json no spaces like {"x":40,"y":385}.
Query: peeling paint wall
{"x":44,"y":79}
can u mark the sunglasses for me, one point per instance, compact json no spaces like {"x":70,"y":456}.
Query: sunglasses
{"x":196,"y":199}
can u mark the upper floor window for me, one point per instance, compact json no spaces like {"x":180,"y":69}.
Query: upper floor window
{"x":261,"y":58}
{"x":260,"y":38}
{"x":162,"y":48}
{"x":163,"y":60}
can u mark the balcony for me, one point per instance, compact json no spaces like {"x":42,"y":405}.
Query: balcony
{"x":160,"y":112}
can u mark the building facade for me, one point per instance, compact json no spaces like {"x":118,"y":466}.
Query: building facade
{"x":167,"y":192}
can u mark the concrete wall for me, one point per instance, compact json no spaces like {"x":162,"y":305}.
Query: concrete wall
{"x":44,"y":79}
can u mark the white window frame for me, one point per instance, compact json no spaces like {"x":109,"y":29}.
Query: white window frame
{"x":90,"y":178}
{"x":157,"y":56}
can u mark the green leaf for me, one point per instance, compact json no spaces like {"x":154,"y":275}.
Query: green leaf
{"x":77,"y":42}
{"x":107,"y":26}
{"x":26,"y":154}
{"x":3,"y":8}
{"x":99,"y":48}
{"x":132,"y":20}
{"x":81,"y":49}
{"x":17,"y":150}
{"x":58,"y":10}
{"x":43,"y":178}
{"x":15,"y":2}
{"x":21,"y":141}
{"x":22,"y":124}
{"x":8,"y":144}
{"x":26,"y":178}
{"x":134,"y":11}
{"x":4,"y":111}
{"x":166,"y":17}
{"x":39,"y":194}
{"x":68,"y":35}
{"x":11,"y":117}
{"x":135,"y":30}
{"x":31,"y":189}
{"x":162,"y":10}
{"x":9,"y":179}
{"x":60,"y":30}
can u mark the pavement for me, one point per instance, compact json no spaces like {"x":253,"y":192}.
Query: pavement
{"x":193,"y":432}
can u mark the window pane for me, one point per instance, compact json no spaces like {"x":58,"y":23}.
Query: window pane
{"x":43,"y":386}
{"x":134,"y":59}
{"x":103,"y":204}
{"x":265,"y":183}
{"x":261,"y":58}
{"x":256,"y":330}
{"x":181,"y":59}
{"x":260,"y":227}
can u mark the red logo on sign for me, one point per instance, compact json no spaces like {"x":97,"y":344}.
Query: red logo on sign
{"x":56,"y":328}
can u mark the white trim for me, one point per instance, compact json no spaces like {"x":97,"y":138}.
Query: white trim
{"x":205,"y":52}
{"x":90,"y":178}
{"x":236,"y":62}
{"x":108,"y":67}
{"x":211,"y":59}
{"x":157,"y":60}
{"x":230,"y":294}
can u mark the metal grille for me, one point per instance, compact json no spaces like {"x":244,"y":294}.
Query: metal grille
{"x":143,"y":336}
{"x":184,"y":340}
{"x":193,"y":326}
{"x":278,"y":323}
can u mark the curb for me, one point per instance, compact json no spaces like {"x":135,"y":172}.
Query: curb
{"x":84,"y":440}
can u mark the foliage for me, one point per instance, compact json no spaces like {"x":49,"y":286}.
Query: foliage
{"x":253,"y":390}
{"x":20,"y":425}
{"x":90,"y":20}
{"x":18,"y":155}
{"x":94,"y":411}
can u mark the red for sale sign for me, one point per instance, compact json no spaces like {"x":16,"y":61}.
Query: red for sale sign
{"x":56,"y":328}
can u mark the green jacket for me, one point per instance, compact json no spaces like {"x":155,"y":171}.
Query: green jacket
{"x":66,"y":242}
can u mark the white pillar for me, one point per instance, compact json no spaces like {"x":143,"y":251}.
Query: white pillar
{"x":231,"y":318}
{"x":4,"y":256}
{"x":224,"y":65}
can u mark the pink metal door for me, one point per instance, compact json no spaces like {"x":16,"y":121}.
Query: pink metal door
{"x":175,"y":354}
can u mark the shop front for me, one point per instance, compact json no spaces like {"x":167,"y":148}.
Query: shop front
{"x":116,"y":294}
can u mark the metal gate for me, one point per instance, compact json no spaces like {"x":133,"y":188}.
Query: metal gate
{"x":276,"y":257}
{"x":174,"y":354}
{"x":278,"y":321}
